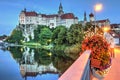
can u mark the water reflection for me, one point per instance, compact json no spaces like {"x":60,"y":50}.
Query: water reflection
{"x":34,"y":61}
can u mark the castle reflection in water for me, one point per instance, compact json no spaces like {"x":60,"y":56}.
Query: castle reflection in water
{"x":35,"y":61}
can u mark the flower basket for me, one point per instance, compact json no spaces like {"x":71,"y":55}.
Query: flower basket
{"x":95,"y":63}
{"x":100,"y":57}
{"x":100,"y":74}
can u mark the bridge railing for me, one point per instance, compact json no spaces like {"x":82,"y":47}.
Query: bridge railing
{"x":79,"y":70}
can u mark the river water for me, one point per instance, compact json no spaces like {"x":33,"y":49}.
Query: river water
{"x":23,"y":63}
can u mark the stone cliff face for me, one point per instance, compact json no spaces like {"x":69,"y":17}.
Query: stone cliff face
{"x":27,"y":31}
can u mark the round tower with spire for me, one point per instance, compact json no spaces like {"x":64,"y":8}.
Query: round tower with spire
{"x":91,"y":16}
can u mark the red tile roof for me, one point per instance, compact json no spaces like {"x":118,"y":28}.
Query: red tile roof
{"x":49,"y":16}
{"x":68,"y":16}
{"x":44,"y":15}
{"x":64,"y":16}
{"x":115,"y":25}
{"x":102,"y":21}
{"x":52,"y":16}
{"x":30,"y":13}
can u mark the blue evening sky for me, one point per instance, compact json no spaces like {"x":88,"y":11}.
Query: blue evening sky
{"x":10,"y":10}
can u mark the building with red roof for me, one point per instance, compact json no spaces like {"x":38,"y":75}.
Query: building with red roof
{"x":100,"y":23}
{"x":93,"y":21}
{"x":51,"y":20}
{"x":28,"y":21}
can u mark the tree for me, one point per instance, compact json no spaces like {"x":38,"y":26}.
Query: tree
{"x":89,"y":30}
{"x":45,"y":36}
{"x":89,"y":26}
{"x":15,"y":37}
{"x":59,"y":35}
{"x":37,"y":31}
{"x":75,"y":34}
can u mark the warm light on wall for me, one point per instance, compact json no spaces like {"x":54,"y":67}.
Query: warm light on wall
{"x":117,"y":50}
{"x":106,"y":29}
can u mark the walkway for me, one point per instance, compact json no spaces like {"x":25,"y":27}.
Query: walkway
{"x":114,"y":73}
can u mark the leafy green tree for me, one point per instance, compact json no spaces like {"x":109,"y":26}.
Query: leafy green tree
{"x":37,"y":31}
{"x":16,"y":52}
{"x":59,"y":35}
{"x":42,"y":56}
{"x":90,"y":29}
{"x":15,"y":37}
{"x":75,"y":34}
{"x":45,"y":36}
{"x":89,"y":26}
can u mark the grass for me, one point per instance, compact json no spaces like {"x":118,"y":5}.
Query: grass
{"x":32,"y":44}
{"x":37,"y":45}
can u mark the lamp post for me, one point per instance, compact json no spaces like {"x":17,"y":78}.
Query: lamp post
{"x":97,"y":8}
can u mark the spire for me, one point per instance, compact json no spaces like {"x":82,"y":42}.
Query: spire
{"x":85,"y":18}
{"x":60,"y":9}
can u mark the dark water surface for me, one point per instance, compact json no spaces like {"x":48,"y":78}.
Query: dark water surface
{"x":23,"y":63}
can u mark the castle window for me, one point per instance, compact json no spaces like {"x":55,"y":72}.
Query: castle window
{"x":22,"y":21}
{"x":22,"y":17}
{"x":52,"y":24}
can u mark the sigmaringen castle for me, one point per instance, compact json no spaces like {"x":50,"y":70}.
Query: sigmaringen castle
{"x":28,"y":21}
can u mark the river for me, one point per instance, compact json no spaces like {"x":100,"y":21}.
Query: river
{"x":24,"y":63}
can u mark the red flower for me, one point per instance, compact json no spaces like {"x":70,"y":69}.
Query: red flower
{"x":99,"y":48}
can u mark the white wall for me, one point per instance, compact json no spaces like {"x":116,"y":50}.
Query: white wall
{"x":116,"y":40}
{"x":52,"y":22}
{"x":22,"y":18}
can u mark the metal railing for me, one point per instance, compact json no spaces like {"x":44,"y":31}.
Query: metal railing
{"x":79,"y":70}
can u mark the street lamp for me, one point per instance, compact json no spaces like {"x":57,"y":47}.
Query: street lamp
{"x":97,"y":8}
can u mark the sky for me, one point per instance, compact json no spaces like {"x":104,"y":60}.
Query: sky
{"x":10,"y":10}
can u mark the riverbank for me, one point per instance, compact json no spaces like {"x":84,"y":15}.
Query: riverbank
{"x":72,"y":51}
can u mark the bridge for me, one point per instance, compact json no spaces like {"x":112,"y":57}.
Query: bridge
{"x":80,"y":69}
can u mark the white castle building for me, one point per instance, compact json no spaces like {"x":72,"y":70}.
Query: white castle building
{"x":52,"y":20}
{"x":28,"y":21}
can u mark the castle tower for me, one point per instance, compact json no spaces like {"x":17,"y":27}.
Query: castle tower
{"x":85,"y":18}
{"x":60,"y":12}
{"x":91,"y":16}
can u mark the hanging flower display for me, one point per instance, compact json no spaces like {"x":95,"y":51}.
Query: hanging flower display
{"x":100,"y":55}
